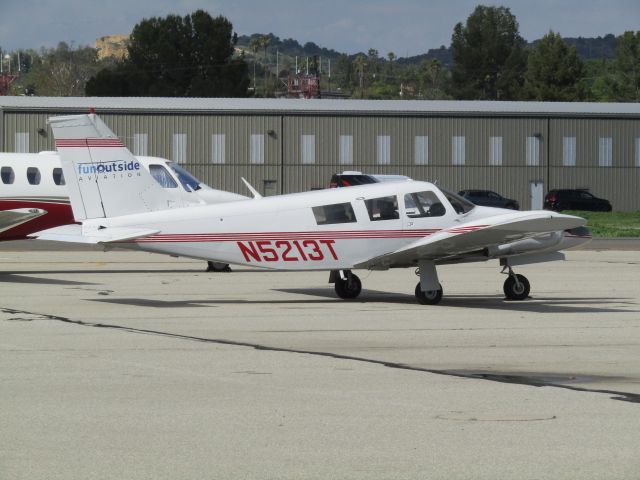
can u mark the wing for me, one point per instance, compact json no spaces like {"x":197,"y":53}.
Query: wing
{"x":13,"y":218}
{"x":467,"y":239}
{"x":79,"y":234}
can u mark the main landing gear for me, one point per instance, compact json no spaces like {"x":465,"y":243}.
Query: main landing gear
{"x":348,"y":286}
{"x":516,"y":287}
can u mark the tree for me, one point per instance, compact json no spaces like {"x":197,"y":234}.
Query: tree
{"x":178,"y":56}
{"x":489,"y":56}
{"x":627,"y":67}
{"x":62,"y":71}
{"x":554,"y":71}
{"x":433,"y":80}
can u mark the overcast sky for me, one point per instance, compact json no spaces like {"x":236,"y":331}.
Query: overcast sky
{"x":405,"y":27}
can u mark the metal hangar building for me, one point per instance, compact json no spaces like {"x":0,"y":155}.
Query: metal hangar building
{"x":519,"y":149}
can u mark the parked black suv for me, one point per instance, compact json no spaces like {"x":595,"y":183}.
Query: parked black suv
{"x":577,"y":199}
{"x":487,"y":198}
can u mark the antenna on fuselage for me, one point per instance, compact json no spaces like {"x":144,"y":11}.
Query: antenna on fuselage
{"x":256,"y":195}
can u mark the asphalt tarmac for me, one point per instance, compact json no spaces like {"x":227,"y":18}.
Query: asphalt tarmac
{"x":139,"y":366}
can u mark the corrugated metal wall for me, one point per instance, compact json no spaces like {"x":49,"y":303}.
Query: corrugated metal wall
{"x":280,"y":136}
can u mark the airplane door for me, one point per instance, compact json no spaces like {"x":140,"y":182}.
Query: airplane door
{"x":536,"y":195}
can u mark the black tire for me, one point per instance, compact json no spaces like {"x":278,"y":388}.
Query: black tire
{"x":218,"y":267}
{"x":514,"y":292}
{"x":431,"y":297}
{"x":349,"y":288}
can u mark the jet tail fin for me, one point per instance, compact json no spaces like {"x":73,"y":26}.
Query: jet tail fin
{"x":104,"y":179}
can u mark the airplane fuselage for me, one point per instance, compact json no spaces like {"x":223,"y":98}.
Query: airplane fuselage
{"x":297,"y":231}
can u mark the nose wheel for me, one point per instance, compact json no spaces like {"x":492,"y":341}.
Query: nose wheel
{"x":516,"y":286}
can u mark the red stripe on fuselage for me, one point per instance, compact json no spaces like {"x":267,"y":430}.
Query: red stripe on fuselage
{"x":317,"y":235}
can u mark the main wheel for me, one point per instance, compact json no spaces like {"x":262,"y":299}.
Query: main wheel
{"x":349,"y":287}
{"x":218,"y":267}
{"x":432,"y":297}
{"x":516,"y":291}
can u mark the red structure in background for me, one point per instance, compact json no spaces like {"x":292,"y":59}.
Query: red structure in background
{"x":303,"y":86}
{"x":5,"y":82}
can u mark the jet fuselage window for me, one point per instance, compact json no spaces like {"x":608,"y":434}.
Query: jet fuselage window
{"x":423,"y":204}
{"x":162,"y":176}
{"x":58,"y":176}
{"x":7,"y":175}
{"x":33,"y":176}
{"x":382,"y":208}
{"x":336,"y":213}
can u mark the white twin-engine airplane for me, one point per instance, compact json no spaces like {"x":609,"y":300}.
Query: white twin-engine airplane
{"x":376,"y":227}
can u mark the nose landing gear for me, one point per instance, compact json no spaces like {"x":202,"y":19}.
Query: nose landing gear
{"x":516,"y":286}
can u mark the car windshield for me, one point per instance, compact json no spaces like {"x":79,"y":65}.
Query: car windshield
{"x":188,"y":181}
{"x":459,"y":204}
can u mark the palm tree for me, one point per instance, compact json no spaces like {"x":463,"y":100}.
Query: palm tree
{"x":360,"y":63}
{"x":254,"y":45}
{"x":265,"y":40}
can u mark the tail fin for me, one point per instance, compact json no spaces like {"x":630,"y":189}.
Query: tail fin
{"x":103,"y":178}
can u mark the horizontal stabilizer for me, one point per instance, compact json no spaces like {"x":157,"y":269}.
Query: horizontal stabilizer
{"x":78,"y":234}
{"x":12,"y":218}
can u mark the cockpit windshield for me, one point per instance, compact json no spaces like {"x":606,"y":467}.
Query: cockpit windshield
{"x":459,"y":204}
{"x":188,"y":181}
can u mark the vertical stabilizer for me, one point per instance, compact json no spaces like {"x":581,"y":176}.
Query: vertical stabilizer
{"x":104,"y":179}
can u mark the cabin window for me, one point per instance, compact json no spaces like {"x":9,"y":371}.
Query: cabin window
{"x":382,"y":208}
{"x":162,"y":176}
{"x":335,"y":213}
{"x":7,"y":175}
{"x":58,"y":176}
{"x":33,"y":176}
{"x":423,"y":204}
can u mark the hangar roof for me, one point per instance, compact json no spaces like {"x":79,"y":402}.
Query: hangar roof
{"x":322,"y":107}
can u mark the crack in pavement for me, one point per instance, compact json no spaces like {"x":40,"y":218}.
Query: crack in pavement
{"x":513,"y":379}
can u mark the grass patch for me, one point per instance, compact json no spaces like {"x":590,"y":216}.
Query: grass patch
{"x":611,"y":224}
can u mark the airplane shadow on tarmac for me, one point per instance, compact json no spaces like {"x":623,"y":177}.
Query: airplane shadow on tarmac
{"x":327,"y":296}
{"x":21,"y":278}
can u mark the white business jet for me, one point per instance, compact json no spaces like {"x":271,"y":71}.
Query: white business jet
{"x":33,"y":191}
{"x":377,"y":226}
